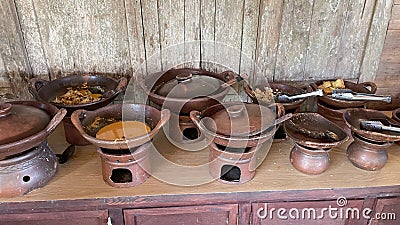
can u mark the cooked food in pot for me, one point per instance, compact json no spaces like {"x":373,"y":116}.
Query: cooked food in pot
{"x":123,"y":130}
{"x":329,"y":86}
{"x":268,"y":95}
{"x":80,"y":95}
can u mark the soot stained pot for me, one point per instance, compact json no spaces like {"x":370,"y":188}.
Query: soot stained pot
{"x":26,"y":161}
{"x":368,"y":151}
{"x":183,"y":90}
{"x":237,"y":124}
{"x":366,"y":87}
{"x":314,"y":137}
{"x":282,"y":88}
{"x":47,"y":91}
{"x":25,"y":124}
{"x":83,"y":120}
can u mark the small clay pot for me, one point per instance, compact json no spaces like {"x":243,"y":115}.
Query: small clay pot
{"x":308,"y":160}
{"x":368,"y":154}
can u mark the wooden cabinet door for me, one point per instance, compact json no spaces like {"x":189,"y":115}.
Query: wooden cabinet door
{"x":308,"y":213}
{"x":196,"y":215}
{"x":59,"y":218}
{"x":387,"y":212}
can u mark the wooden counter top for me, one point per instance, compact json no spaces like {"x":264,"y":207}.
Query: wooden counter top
{"x":80,"y":178}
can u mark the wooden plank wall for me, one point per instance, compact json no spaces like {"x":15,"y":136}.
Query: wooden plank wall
{"x":389,"y":68}
{"x":290,"y":40}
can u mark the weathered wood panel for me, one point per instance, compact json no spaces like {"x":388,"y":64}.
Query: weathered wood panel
{"x":228,"y":34}
{"x":15,"y":72}
{"x":207,"y":36}
{"x":151,"y":35}
{"x":268,"y":39}
{"x":192,"y":33}
{"x":83,"y":35}
{"x":289,"y":40}
{"x":32,"y":39}
{"x":397,"y":2}
{"x":394,"y":23}
{"x":249,"y":37}
{"x":294,"y":38}
{"x":325,"y":34}
{"x":376,"y":38}
{"x":172,"y":32}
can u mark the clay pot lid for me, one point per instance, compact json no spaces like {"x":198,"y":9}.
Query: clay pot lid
{"x":187,"y":86}
{"x":242,"y":119}
{"x":18,"y":121}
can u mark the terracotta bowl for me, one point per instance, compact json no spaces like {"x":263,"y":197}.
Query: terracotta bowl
{"x":83,"y":119}
{"x":353,"y":117}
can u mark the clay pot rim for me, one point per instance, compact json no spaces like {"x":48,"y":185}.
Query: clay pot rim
{"x":142,"y":83}
{"x":377,"y":136}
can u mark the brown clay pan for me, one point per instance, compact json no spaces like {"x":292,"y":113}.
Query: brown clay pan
{"x":314,"y":131}
{"x":353,"y":117}
{"x":83,"y":120}
{"x":366,"y":87}
{"x":281,"y":87}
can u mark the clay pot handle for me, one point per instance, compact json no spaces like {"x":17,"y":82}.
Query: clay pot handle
{"x":250,"y":93}
{"x":34,"y":86}
{"x":370,"y":87}
{"x":5,"y":109}
{"x":165,"y":114}
{"x":76,"y":117}
{"x":122,"y":83}
{"x":58,"y":117}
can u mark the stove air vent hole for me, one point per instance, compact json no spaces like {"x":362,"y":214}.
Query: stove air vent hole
{"x":26,"y":179}
{"x":190,"y":133}
{"x":230,"y":173}
{"x":121,"y":176}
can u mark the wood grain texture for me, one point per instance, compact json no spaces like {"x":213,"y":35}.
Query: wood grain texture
{"x":192,"y":34}
{"x":268,"y":38}
{"x":249,"y":37}
{"x":397,"y":2}
{"x":394,"y":23}
{"x":172,"y":32}
{"x":151,"y":34}
{"x":32,"y":39}
{"x":376,"y":37}
{"x":352,"y":42}
{"x":294,"y":40}
{"x":325,"y":35}
{"x":16,"y":71}
{"x":207,"y":36}
{"x":85,"y":36}
{"x":228,"y":34}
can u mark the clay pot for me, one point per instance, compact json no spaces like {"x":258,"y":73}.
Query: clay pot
{"x":26,"y":124}
{"x":237,"y":124}
{"x":308,"y":160}
{"x":183,"y":90}
{"x":369,"y":149}
{"x":47,"y":91}
{"x":368,"y":154}
{"x":314,"y":137}
{"x":83,"y":119}
{"x":28,"y":171}
{"x":281,"y":87}
{"x":366,"y":87}
{"x":353,"y":117}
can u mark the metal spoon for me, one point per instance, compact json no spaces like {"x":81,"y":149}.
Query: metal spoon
{"x":66,"y":155}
